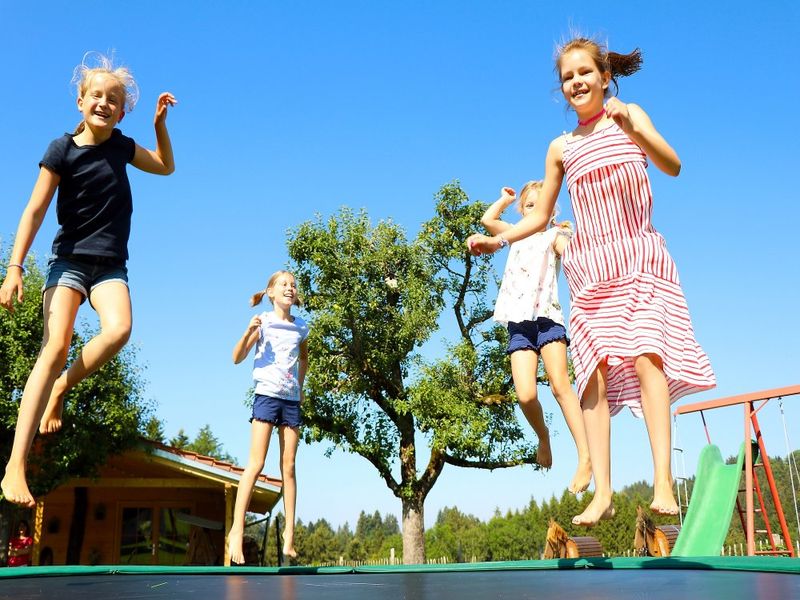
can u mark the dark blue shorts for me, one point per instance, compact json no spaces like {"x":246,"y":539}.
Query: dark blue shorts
{"x":532,"y":335}
{"x":276,"y":411}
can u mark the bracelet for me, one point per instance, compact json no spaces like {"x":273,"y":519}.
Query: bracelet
{"x":19,"y":266}
{"x":503,"y":241}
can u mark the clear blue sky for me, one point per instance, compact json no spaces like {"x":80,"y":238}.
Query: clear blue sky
{"x":287,"y":109}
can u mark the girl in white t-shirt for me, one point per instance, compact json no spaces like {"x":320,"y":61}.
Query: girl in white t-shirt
{"x":279,"y":369}
{"x":528,"y":304}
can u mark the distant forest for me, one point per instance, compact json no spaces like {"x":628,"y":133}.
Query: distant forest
{"x":515,"y":535}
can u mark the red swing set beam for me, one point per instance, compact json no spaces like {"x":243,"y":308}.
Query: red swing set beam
{"x":752,"y":429}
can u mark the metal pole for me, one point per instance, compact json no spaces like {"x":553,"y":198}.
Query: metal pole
{"x":748,"y":481}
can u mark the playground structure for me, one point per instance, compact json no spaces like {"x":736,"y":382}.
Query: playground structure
{"x":717,"y":490}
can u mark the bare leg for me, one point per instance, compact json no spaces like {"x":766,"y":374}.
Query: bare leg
{"x":597,"y":419}
{"x":524,"y":365}
{"x":60,"y":305}
{"x":554,"y":356}
{"x":289,"y":438}
{"x":260,"y":433}
{"x":112,"y":302}
{"x":655,"y":406}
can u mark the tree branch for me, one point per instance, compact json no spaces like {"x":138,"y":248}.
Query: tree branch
{"x":487,"y":464}
{"x":459,"y":303}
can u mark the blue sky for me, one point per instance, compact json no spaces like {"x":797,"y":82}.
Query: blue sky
{"x":291,"y":109}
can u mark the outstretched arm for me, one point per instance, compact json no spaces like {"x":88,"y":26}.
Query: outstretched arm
{"x":159,"y":161}
{"x":247,"y":341}
{"x":538,"y":218}
{"x":29,"y":225}
{"x":632,"y":119}
{"x":491,"y":218}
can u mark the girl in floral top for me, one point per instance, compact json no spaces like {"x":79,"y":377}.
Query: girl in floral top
{"x":528,"y":305}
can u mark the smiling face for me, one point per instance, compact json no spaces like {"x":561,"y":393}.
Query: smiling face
{"x":582,"y":82}
{"x":282,"y":290}
{"x":102,"y":102}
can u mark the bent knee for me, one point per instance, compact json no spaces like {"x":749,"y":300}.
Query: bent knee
{"x":118,"y":334}
{"x":528,"y":399}
{"x":54,"y":353}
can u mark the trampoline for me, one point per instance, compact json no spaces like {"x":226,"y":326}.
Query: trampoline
{"x":732,"y":578}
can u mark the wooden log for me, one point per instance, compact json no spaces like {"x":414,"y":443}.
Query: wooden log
{"x":584,"y":546}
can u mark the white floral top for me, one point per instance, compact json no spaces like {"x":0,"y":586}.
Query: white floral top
{"x":530,"y":282}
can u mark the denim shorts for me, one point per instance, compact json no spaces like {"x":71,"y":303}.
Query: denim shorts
{"x":532,"y":335}
{"x":276,"y":411}
{"x":84,"y":274}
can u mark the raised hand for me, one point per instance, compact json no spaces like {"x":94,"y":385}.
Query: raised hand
{"x":508,"y":195}
{"x":165,"y":100}
{"x":254,"y":324}
{"x":618,"y":111}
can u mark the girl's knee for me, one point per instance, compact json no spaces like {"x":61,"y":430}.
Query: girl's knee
{"x":255,"y":465}
{"x":54,"y":353}
{"x":287,"y":467}
{"x":118,"y":334}
{"x":561,"y":388}
{"x":528,"y":400}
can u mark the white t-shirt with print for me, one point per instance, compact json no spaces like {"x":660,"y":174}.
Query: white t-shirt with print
{"x":275,"y":367}
{"x":529,"y":289}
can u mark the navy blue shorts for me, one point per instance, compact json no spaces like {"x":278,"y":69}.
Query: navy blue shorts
{"x":532,"y":335}
{"x":276,"y":411}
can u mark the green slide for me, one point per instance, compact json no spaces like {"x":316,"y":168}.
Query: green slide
{"x":713,"y":498}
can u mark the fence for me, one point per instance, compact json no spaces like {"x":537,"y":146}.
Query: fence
{"x":729,"y":550}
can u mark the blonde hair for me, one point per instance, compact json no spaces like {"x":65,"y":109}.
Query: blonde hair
{"x":614,"y":63}
{"x":259,"y":296}
{"x":534,"y":186}
{"x":95,"y":63}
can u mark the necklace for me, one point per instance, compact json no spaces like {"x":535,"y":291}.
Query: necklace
{"x":591,"y":120}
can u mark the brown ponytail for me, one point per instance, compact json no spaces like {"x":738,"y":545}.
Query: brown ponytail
{"x":257,"y":297}
{"x":623,"y":65}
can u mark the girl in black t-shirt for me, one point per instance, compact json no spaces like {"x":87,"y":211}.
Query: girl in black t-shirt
{"x":93,"y":209}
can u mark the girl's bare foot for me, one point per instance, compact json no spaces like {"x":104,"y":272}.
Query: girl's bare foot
{"x":663,"y":499}
{"x":599,"y":509}
{"x":582,"y":478}
{"x":15,"y":487}
{"x":288,"y":546}
{"x":51,"y":419}
{"x":235,"y":539}
{"x":544,"y":456}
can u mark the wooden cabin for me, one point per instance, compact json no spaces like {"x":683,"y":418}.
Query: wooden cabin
{"x":156,"y":505}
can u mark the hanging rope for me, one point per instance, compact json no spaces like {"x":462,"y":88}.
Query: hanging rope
{"x":679,"y":460}
{"x":792,"y":462}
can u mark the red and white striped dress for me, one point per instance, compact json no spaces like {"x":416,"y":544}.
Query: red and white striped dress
{"x":626,"y":298}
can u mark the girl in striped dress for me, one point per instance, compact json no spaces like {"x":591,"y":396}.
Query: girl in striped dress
{"x":632,"y":339}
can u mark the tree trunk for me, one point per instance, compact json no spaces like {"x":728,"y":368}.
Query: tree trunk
{"x":413,"y":531}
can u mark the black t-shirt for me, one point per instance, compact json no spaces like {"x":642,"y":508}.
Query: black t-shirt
{"x":94,"y":203}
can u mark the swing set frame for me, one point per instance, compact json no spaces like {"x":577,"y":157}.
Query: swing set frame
{"x":752,"y":430}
